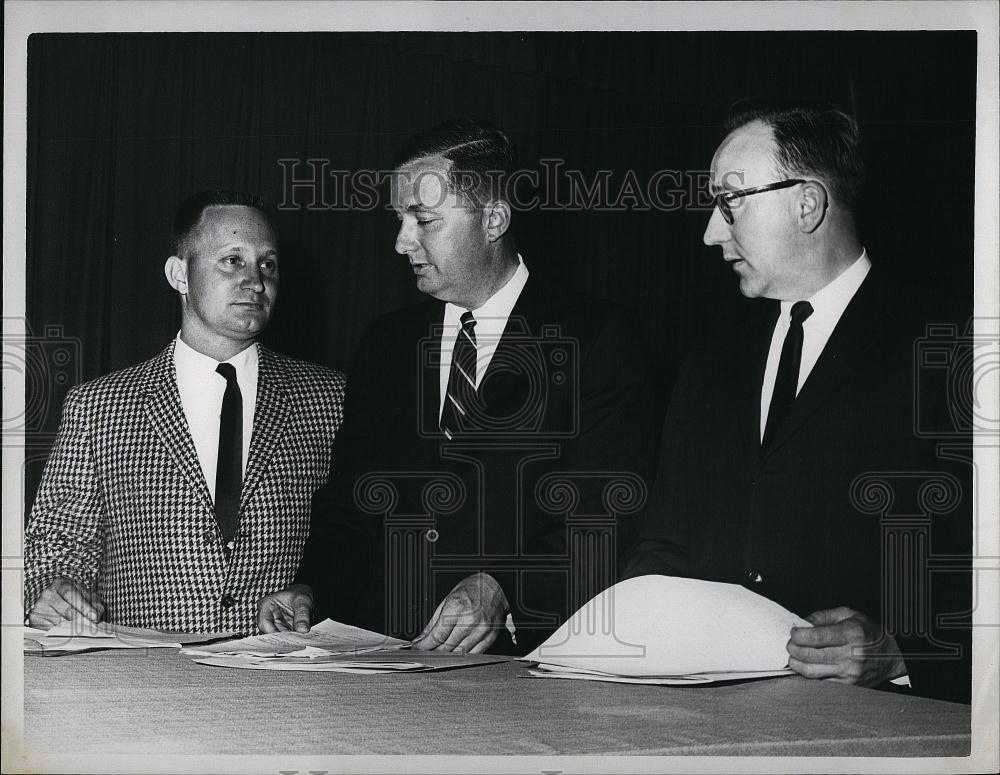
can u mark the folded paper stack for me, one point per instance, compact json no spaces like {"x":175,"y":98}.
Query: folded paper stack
{"x":330,"y":647}
{"x":668,"y":630}
{"x":70,"y":637}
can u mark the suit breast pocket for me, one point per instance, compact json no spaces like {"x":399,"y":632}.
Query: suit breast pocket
{"x":303,"y":454}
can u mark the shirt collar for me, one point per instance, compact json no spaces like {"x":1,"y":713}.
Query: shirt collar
{"x":829,"y":302}
{"x":496,"y":307}
{"x":190,"y":361}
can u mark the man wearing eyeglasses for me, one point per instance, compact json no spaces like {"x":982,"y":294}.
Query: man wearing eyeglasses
{"x":791,"y":460}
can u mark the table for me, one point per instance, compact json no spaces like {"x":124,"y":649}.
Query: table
{"x":158,"y":700}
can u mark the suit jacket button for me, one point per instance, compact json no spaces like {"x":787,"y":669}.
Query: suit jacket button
{"x":754,"y":577}
{"x":228,"y":601}
{"x":208,"y":536}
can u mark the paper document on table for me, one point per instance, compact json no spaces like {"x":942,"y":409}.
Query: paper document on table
{"x":557,"y":671}
{"x":84,"y":635}
{"x":379,"y":662}
{"x":665,"y":629}
{"x":330,"y":636}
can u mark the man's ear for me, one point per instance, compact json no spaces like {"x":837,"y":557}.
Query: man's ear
{"x":497,"y":220}
{"x":176,"y":271}
{"x":811,"y":206}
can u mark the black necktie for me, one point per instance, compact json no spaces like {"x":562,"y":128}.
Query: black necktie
{"x":787,"y":380}
{"x":461,"y":380}
{"x":229,"y":470}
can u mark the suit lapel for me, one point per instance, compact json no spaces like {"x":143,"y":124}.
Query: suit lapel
{"x":427,"y":349}
{"x":855,"y":335}
{"x":748,"y":376}
{"x":508,"y":378}
{"x":162,"y":405}
{"x":269,"y":419}
{"x":502,"y":389}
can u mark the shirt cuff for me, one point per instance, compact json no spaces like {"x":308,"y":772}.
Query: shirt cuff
{"x":509,"y":624}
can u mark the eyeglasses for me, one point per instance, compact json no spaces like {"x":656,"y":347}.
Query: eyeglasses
{"x":722,"y":201}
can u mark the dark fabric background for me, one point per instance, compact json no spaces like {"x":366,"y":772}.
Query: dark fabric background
{"x":122,"y":126}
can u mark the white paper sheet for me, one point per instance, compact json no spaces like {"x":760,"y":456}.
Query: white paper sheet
{"x":83,"y":635}
{"x":381,"y":662}
{"x":677,"y":680}
{"x":667,"y":627}
{"x":317,"y":664}
{"x":330,"y":636}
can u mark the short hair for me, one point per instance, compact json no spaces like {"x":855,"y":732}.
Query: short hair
{"x":812,"y":139}
{"x":482,"y":157}
{"x":190,"y":211}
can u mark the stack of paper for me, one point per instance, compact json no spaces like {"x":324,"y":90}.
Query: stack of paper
{"x":376,"y":662}
{"x":667,"y":630}
{"x":327,"y":637}
{"x":329,"y":647}
{"x":70,"y":637}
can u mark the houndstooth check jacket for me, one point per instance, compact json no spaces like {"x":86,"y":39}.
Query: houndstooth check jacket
{"x":124,"y":507}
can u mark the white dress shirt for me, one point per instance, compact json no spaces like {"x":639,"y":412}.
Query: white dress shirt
{"x":202,"y":389}
{"x":828,"y":305}
{"x":491,"y":320}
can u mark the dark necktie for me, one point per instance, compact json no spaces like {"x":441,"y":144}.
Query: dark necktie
{"x":787,"y":380}
{"x":229,"y":470}
{"x":461,"y":391}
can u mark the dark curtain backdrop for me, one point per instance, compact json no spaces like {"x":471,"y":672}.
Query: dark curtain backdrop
{"x":122,"y":126}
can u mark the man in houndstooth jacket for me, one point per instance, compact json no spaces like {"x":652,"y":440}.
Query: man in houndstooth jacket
{"x":125,"y":525}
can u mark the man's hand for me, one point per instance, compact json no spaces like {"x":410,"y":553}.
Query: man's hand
{"x":468,"y":619}
{"x":287,"y":609}
{"x":64,"y":599}
{"x":844,"y":646}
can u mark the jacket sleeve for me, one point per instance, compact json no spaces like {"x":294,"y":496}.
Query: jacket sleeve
{"x":340,"y":559}
{"x":65,"y":532}
{"x":608,"y":464}
{"x":617,"y":413}
{"x":662,"y":543}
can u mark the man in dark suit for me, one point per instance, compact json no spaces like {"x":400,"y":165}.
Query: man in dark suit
{"x":493,"y":438}
{"x":792,"y":461}
{"x":177,"y":493}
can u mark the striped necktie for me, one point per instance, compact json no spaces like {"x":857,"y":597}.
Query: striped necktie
{"x":461,"y":391}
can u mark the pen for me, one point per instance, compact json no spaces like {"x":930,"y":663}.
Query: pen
{"x":289,"y":616}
